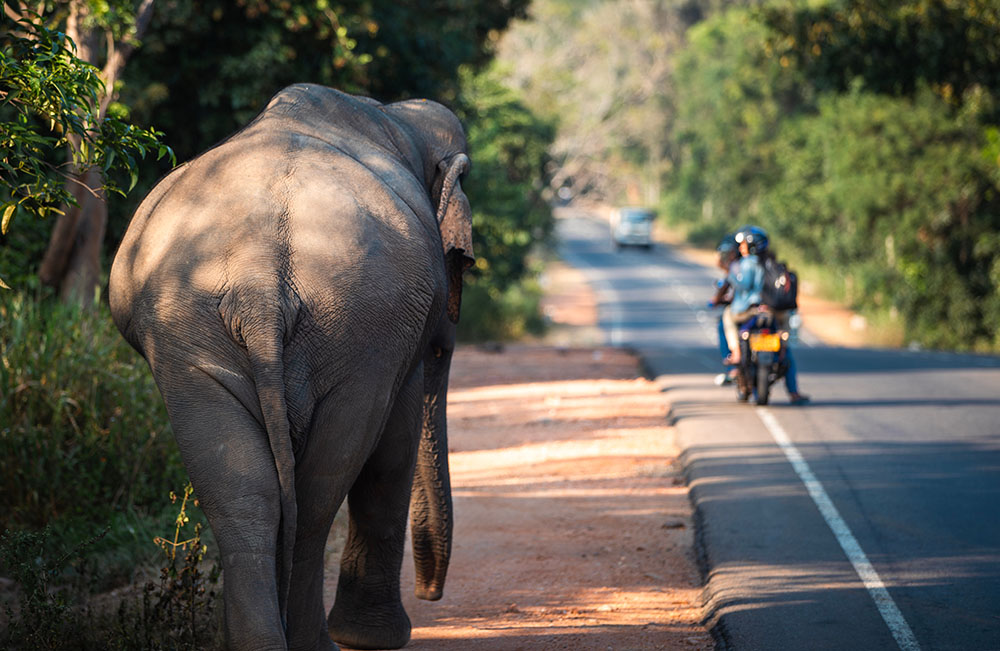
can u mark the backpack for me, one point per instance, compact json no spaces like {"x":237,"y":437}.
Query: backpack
{"x":781,"y":286}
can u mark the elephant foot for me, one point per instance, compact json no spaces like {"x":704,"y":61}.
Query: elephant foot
{"x":359,"y":628}
{"x":323,"y":645}
{"x":321,"y":642}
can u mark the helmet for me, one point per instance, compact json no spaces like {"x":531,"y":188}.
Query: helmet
{"x":755,"y":237}
{"x":728,"y":244}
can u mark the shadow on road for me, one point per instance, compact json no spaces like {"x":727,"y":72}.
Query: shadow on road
{"x":930,"y":497}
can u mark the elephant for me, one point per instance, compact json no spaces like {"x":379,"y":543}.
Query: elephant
{"x":295,"y":291}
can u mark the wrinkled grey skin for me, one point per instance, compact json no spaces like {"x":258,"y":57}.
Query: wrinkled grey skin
{"x":295,"y":291}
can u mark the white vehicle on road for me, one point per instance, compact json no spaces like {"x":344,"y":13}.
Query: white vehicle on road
{"x":632,"y":226}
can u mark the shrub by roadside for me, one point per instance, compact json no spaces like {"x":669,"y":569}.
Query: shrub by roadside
{"x":87,"y":462}
{"x":492,"y":314}
{"x":84,"y":437}
{"x":53,"y":610}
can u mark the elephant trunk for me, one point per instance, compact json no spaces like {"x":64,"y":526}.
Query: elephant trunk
{"x":431,"y":520}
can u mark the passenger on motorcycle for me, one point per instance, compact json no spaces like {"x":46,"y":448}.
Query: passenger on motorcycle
{"x":728,"y":255}
{"x":747,"y":280}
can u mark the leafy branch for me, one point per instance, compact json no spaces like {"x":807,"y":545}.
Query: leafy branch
{"x":50,"y":103}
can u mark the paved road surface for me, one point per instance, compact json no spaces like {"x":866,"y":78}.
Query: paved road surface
{"x":869,"y":519}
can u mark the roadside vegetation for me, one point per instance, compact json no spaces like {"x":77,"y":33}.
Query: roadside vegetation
{"x":97,"y":101}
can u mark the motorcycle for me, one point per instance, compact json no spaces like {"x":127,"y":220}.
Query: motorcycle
{"x":763,"y":357}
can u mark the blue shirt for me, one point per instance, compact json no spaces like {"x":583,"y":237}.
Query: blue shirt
{"x":747,"y":280}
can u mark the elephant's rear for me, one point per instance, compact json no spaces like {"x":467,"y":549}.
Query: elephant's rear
{"x":124,"y":287}
{"x":275,"y":275}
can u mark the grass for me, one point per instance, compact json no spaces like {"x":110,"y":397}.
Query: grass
{"x":54,"y":611}
{"x":87,"y":462}
{"x":84,"y":438}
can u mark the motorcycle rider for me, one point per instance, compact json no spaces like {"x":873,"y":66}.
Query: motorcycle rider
{"x":728,"y":254}
{"x":747,"y":280}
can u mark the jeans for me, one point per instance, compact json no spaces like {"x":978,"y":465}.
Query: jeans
{"x":791,"y":378}
{"x":723,"y":344}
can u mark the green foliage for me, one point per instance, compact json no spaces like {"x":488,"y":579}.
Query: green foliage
{"x":418,"y":47}
{"x":207,"y":68}
{"x":491,"y":314}
{"x":84,"y":436}
{"x":892,"y":47}
{"x":49,"y":100}
{"x":895,"y":195}
{"x":732,"y":101}
{"x":507,"y":145}
{"x":886,"y":174}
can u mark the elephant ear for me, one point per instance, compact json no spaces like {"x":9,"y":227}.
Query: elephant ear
{"x":454,"y":216}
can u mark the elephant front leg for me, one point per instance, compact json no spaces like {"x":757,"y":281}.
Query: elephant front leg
{"x":368,"y":612}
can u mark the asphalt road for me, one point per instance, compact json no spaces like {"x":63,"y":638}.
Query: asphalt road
{"x":868,"y":519}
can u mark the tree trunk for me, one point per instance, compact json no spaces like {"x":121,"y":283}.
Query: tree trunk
{"x":72,"y":261}
{"x":65,"y":265}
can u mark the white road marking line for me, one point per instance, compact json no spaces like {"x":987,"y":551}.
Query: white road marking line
{"x":866,"y":572}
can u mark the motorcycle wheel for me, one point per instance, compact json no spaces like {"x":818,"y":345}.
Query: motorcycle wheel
{"x":763,"y":383}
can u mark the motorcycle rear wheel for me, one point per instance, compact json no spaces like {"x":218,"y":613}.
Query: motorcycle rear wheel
{"x":763,"y":384}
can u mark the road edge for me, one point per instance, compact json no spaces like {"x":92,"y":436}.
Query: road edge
{"x":713,"y":621}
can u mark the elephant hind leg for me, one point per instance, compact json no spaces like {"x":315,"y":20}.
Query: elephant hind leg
{"x":229,"y":461}
{"x":368,"y":612}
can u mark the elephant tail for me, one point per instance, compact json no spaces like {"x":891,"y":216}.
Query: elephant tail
{"x":266,"y":351}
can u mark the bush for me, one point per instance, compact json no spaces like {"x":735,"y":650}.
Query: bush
{"x":84,"y":436}
{"x":489,"y":314}
{"x":891,"y":193}
{"x":54,"y":610}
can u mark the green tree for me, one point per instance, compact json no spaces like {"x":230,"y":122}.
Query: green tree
{"x":894,"y":47}
{"x":208,"y":67}
{"x":417,"y":47}
{"x":894,"y":194}
{"x":732,"y":98}
{"x":603,"y":70}
{"x":52,"y":102}
{"x":508,"y":145}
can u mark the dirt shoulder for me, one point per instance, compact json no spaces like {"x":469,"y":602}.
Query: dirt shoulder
{"x":572,"y":523}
